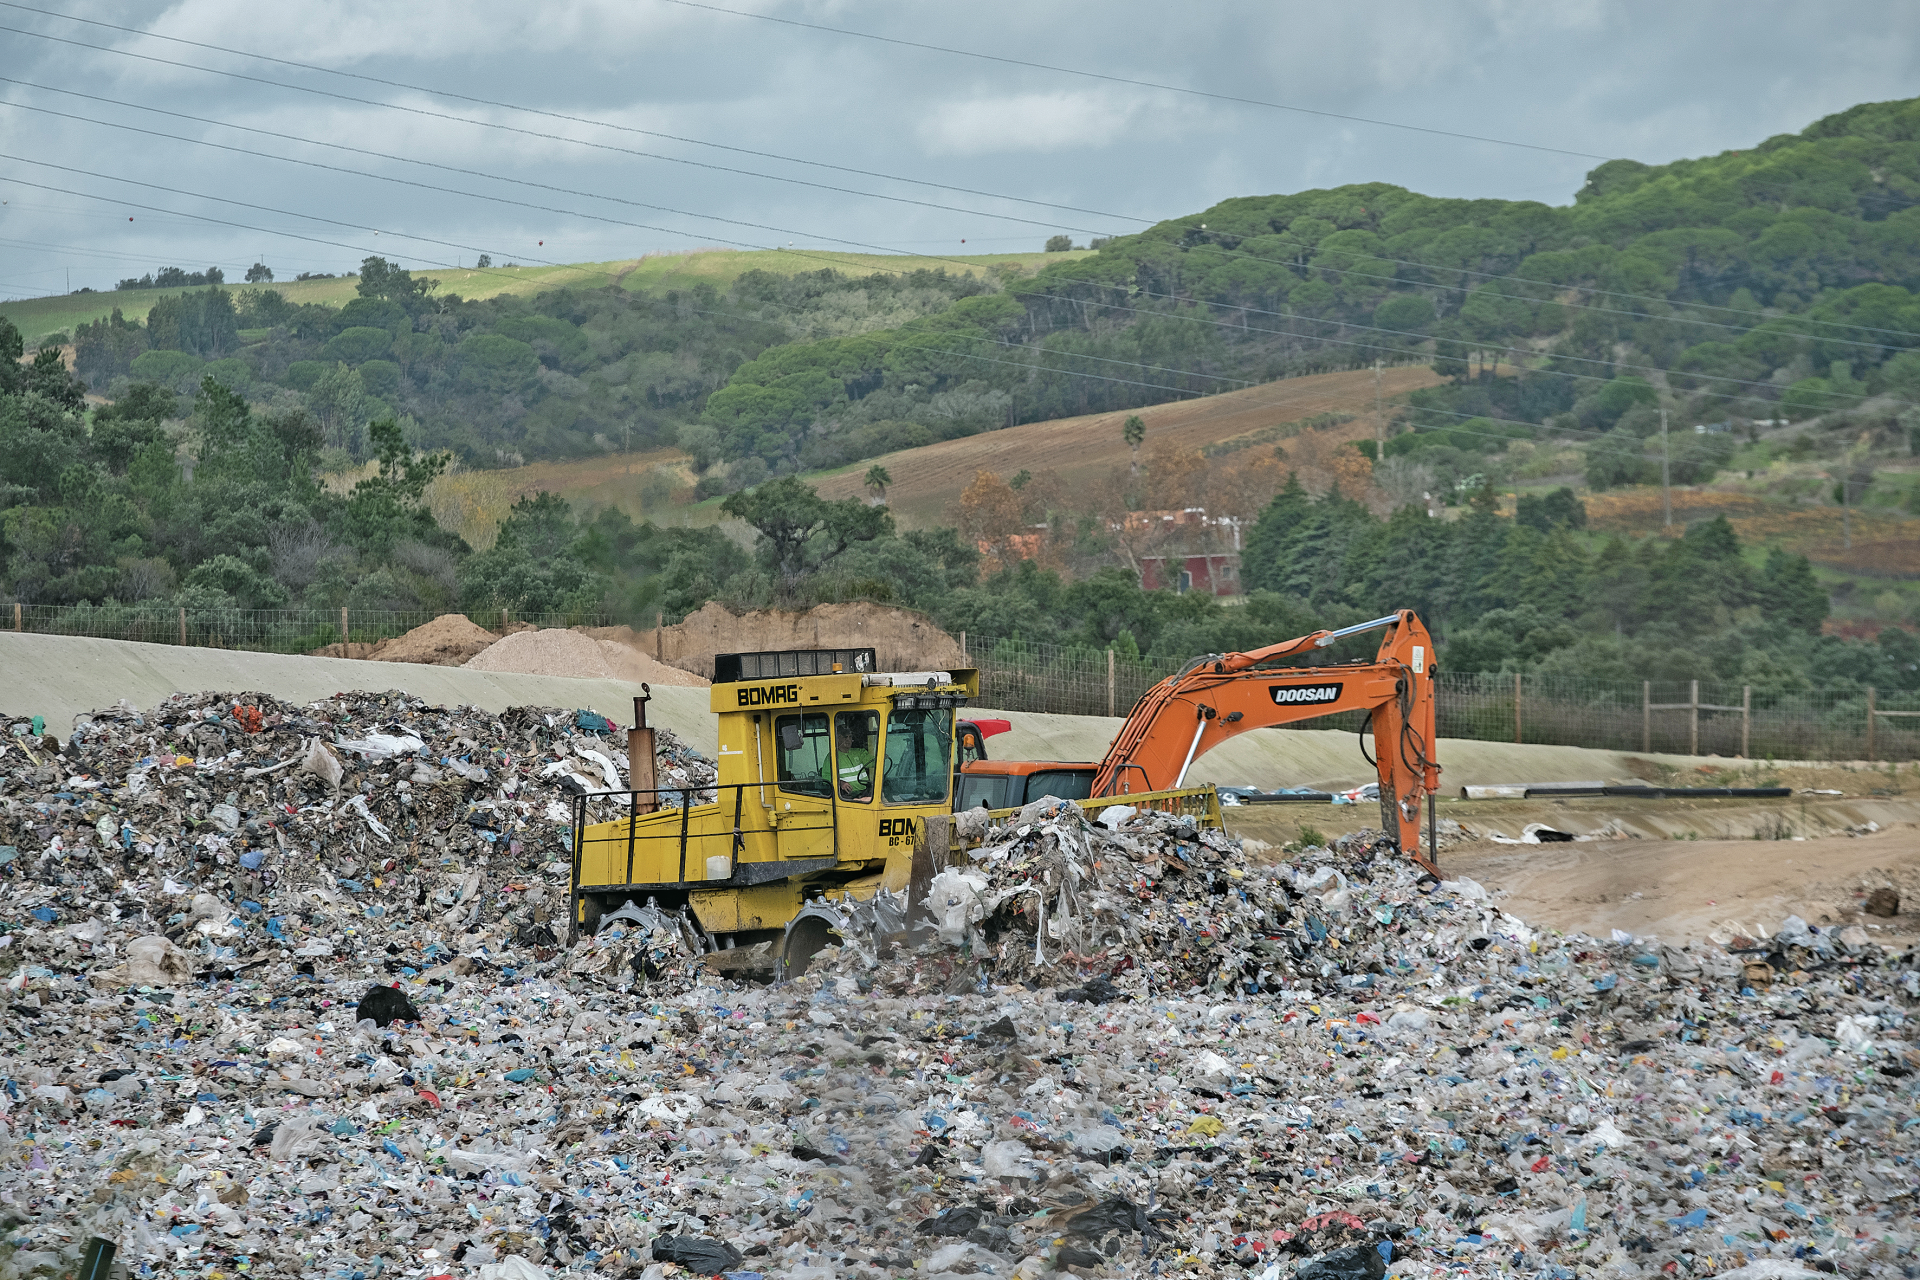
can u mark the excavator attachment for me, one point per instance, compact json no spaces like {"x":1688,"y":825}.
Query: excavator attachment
{"x":1221,"y":696}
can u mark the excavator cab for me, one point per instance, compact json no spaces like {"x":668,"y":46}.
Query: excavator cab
{"x":1219,"y":696}
{"x":829,"y":771}
{"x":1009,"y":784}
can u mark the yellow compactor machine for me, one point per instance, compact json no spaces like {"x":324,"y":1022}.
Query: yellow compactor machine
{"x":829,"y":772}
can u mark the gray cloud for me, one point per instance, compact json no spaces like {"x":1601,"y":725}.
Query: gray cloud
{"x":1652,"y":81}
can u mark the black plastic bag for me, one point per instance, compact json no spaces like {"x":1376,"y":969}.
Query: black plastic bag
{"x":701,"y":1256}
{"x":1354,"y":1262}
{"x":385,"y":1005}
{"x":801,"y":1151}
{"x":956,"y":1221}
{"x":1115,"y":1214}
{"x":1099,"y":990}
{"x":1001,"y":1030}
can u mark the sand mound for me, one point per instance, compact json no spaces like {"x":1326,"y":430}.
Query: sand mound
{"x":903,"y":639}
{"x":555,"y":652}
{"x":448,"y":641}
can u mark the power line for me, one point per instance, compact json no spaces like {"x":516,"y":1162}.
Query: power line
{"x":758,"y":226}
{"x":1208,"y":247}
{"x":244,"y":204}
{"x":1884,"y":198}
{"x":535,"y":133}
{"x":943,"y":351}
{"x":1424,"y":266}
{"x":1214,"y":322}
{"x":561,"y":115}
{"x":381,"y":177}
{"x":785,"y":231}
{"x":1141,"y":84}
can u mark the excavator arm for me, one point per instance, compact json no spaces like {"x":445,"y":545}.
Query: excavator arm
{"x":1223,"y":695}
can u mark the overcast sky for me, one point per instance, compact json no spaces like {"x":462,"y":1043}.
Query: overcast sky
{"x":1654,"y":81}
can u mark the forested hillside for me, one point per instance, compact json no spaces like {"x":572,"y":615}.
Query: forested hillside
{"x":1763,"y":301}
{"x":499,"y":381}
{"x":1772,"y":281}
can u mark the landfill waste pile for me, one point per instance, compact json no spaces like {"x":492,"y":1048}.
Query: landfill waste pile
{"x":246,"y":1034}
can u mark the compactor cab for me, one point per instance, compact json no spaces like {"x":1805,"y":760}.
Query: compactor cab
{"x":828,"y":772}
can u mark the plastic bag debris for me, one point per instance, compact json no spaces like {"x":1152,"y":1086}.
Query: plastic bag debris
{"x":1354,"y":1262}
{"x":702,"y":1257}
{"x":382,"y":1005}
{"x":323,"y":764}
{"x":1219,"y":1064}
{"x":153,"y":961}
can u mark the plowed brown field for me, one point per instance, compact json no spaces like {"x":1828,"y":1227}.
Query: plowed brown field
{"x":928,"y":480}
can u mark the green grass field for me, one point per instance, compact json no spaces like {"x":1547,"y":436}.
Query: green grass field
{"x":655,"y":273}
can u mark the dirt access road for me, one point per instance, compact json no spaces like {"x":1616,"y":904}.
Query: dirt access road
{"x":1681,"y":889}
{"x":1677,"y":869}
{"x":928,"y":480}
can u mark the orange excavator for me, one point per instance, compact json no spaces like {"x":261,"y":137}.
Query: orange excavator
{"x":1220,"y":696}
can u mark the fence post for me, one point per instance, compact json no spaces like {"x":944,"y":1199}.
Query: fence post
{"x":1693,"y":720}
{"x":183,"y":624}
{"x":1746,"y":717}
{"x":16,"y":616}
{"x":1109,"y":682}
{"x":963,"y":648}
{"x":1646,"y":715}
{"x":503,"y":619}
{"x":1516,"y":706}
{"x":1869,"y":724}
{"x":343,"y":633}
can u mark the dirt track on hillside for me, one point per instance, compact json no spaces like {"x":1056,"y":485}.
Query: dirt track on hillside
{"x":927,"y":480}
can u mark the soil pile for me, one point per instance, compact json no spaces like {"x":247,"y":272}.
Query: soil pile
{"x":448,"y":641}
{"x":902,"y":639}
{"x":554,"y":652}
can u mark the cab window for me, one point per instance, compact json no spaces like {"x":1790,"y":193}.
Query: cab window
{"x":856,"y":753}
{"x":982,"y":791}
{"x":1062,"y":784}
{"x":804,"y":753}
{"x":919,"y":757}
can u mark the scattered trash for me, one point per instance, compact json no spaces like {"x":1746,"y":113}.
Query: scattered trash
{"x":1119,"y":1049}
{"x":1536,"y":833}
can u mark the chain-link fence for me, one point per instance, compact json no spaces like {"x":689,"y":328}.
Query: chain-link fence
{"x":1677,"y":718}
{"x":268,"y":630}
{"x":1020,"y":675}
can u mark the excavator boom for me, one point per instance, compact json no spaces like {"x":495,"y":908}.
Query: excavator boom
{"x":1223,"y":695}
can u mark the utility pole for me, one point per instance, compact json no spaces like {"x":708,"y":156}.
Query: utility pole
{"x":1846,"y":509}
{"x":1666,"y":465}
{"x":1379,"y":418}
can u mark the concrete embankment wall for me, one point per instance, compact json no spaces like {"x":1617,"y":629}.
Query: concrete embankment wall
{"x":61,"y":676}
